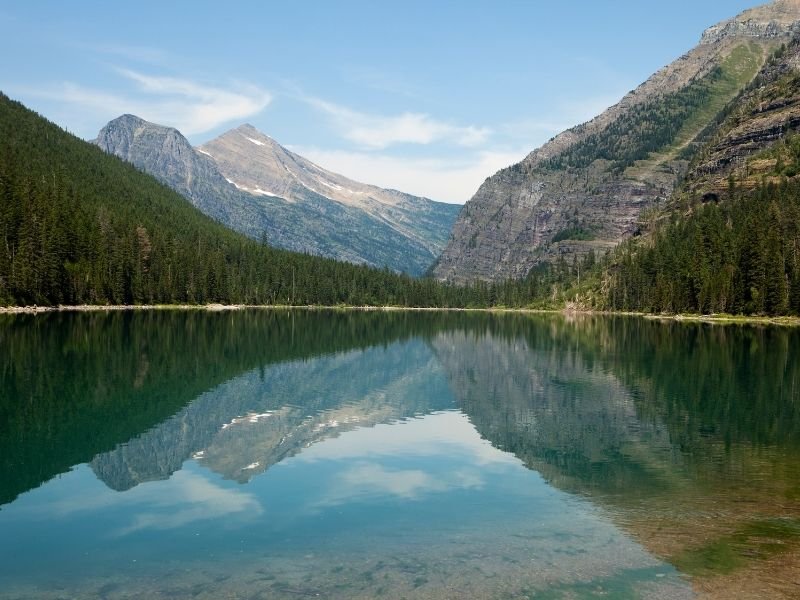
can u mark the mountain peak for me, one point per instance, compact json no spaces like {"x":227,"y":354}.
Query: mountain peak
{"x":768,"y":21}
{"x":160,"y":150}
{"x":131,"y":126}
{"x":254,"y":136}
{"x":248,"y":181}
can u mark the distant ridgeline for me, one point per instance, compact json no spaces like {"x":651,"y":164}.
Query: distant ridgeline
{"x":247,"y":181}
{"x":78,"y":226}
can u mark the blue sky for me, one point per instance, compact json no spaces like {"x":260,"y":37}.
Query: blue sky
{"x":427,"y":97}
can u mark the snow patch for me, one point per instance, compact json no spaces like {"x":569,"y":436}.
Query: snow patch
{"x":255,"y":418}
{"x":201,"y":151}
{"x":238,"y":187}
{"x":261,"y":192}
{"x":256,"y":142}
{"x":254,"y":465}
{"x":248,"y":418}
{"x":333,"y":186}
{"x":305,"y":185}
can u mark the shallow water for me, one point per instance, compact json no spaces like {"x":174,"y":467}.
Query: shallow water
{"x":266,"y":454}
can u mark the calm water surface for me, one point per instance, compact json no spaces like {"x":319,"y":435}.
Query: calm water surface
{"x":271,"y":454}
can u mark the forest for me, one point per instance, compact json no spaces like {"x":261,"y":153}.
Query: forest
{"x":740,"y":255}
{"x":78,"y":226}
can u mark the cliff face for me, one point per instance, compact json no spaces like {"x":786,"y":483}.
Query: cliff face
{"x":587,"y":188}
{"x":745,"y":144}
{"x":167,"y":155}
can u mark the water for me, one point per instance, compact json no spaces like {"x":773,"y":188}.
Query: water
{"x":273,"y":454}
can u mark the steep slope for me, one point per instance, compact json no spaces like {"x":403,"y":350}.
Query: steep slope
{"x":257,"y":164}
{"x":728,"y":240}
{"x":80,"y":226}
{"x":400,"y":231}
{"x":167,"y":155}
{"x":587,"y":188}
{"x":745,"y":141}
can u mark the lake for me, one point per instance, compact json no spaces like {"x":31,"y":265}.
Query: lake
{"x":335,"y":454}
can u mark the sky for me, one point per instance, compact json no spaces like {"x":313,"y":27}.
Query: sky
{"x":428,"y":97}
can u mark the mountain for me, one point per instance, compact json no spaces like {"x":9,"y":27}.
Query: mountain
{"x":166,"y":154}
{"x":83,"y":227}
{"x":249,"y":182}
{"x":589,"y":187}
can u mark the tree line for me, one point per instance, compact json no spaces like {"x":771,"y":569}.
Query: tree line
{"x":739,"y":256}
{"x":80,"y":227}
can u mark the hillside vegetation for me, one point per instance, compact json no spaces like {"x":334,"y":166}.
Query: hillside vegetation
{"x":666,"y":123}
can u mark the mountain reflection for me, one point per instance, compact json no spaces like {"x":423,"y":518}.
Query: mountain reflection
{"x":688,"y":435}
{"x":76,"y":385}
{"x":246,"y":425}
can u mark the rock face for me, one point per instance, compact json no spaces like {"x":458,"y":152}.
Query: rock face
{"x":250,"y":183}
{"x":586,"y":189}
{"x":164,"y":153}
{"x":765,"y":114}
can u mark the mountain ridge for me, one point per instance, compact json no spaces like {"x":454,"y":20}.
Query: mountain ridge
{"x":241,"y":179}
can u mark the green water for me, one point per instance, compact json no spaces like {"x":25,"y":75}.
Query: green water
{"x":270,"y":454}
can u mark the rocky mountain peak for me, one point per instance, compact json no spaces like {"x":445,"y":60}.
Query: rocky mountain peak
{"x":128,"y":134}
{"x":769,"y":21}
{"x":260,"y":165}
{"x":162,"y":151}
{"x":251,"y":183}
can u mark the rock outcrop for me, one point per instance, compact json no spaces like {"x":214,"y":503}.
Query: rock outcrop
{"x":766,"y":113}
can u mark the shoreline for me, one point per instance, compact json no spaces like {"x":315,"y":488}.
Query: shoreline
{"x":718,"y":319}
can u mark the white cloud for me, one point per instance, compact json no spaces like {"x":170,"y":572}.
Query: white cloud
{"x":189,"y":106}
{"x":192,"y":498}
{"x":381,"y":131}
{"x":449,"y":180}
{"x":371,"y":480}
{"x":455,"y":178}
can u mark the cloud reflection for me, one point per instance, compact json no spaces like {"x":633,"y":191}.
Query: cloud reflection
{"x":448,"y":433}
{"x":372,"y":480}
{"x":186,"y":498}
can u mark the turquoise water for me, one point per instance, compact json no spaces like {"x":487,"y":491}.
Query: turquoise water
{"x":349,"y":455}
